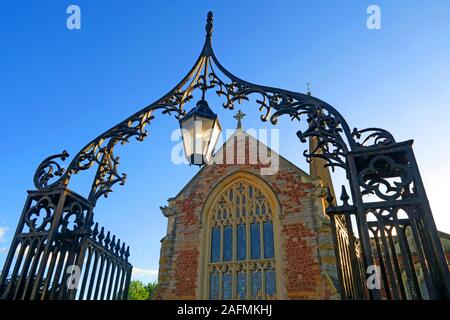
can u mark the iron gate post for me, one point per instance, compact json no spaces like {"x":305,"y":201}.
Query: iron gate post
{"x":35,"y":242}
{"x":436,"y":257}
{"x":394,"y":167}
{"x":361,"y":221}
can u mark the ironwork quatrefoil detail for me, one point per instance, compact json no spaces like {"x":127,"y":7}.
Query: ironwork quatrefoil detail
{"x":380,"y":169}
{"x":43,"y":209}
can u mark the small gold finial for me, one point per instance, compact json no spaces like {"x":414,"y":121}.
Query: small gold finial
{"x":308,"y":88}
{"x":239,"y":116}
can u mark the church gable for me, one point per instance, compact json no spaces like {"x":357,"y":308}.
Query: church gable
{"x":305,"y":260}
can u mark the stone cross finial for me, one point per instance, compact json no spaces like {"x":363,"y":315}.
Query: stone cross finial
{"x":239,"y":116}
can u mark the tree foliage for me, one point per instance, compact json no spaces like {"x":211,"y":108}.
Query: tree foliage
{"x":151,"y":287}
{"x":139,"y":291}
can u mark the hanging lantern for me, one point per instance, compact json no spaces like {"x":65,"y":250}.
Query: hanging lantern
{"x":200,"y":129}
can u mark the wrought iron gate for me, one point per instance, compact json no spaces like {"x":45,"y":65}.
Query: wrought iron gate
{"x":57,"y":253}
{"x":394,"y":227}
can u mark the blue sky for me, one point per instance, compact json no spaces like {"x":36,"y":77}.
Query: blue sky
{"x":60,"y":88}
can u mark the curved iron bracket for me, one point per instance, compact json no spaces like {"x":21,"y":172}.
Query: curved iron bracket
{"x":334,"y":137}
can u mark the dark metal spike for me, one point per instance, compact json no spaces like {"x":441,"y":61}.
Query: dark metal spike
{"x":127,"y":253}
{"x":329,"y":198}
{"x":122,"y":250}
{"x":101,"y":236}
{"x":107,"y":240}
{"x":344,"y":196}
{"x":95,"y":231}
{"x":113,"y":243}
{"x":117,"y":248}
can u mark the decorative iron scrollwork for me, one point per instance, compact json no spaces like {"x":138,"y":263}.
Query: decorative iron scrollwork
{"x":42,"y":211}
{"x":100,"y":151}
{"x":325,"y":123}
{"x":74,"y":219}
{"x":330,"y":146}
{"x":48,"y":169}
{"x":372,"y":137}
{"x":380,"y":175}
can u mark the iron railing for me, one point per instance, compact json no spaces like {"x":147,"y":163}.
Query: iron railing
{"x":106,"y":270}
{"x":55,"y":253}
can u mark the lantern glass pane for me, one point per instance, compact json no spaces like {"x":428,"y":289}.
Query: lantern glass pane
{"x":201,"y":138}
{"x":187,"y":127}
{"x":202,"y":134}
{"x":216,"y":131}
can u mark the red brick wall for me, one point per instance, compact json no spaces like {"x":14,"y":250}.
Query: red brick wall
{"x":186,"y":272}
{"x":302,"y":270}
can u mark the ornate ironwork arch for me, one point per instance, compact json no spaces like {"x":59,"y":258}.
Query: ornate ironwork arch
{"x":335,"y":139}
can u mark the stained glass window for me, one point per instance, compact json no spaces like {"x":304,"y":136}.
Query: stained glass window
{"x":215,"y":244}
{"x":270,"y":285}
{"x":241,"y":242}
{"x":268,"y":240}
{"x":242,"y":245}
{"x":241,"y":286}
{"x":214,"y":286}
{"x":227,"y":243}
{"x":256,"y":285}
{"x":255,"y":241}
{"x":227,"y":286}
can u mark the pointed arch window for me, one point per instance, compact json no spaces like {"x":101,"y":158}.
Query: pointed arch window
{"x":241,"y":259}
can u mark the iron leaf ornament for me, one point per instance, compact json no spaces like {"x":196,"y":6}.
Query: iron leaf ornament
{"x":334,"y":137}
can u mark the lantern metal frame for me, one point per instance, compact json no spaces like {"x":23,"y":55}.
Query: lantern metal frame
{"x":201,"y":110}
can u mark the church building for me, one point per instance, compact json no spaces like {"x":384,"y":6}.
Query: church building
{"x":236,"y":232}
